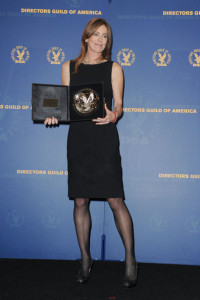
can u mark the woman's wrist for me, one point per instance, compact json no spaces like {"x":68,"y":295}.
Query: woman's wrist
{"x":115,"y":117}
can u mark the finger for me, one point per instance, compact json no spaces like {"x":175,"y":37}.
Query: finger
{"x":54,"y":121}
{"x":102,"y":119}
{"x":106,"y":109}
{"x":103,"y":123}
{"x":99,"y":120}
{"x":46,"y":122}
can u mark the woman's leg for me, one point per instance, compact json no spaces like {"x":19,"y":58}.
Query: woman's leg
{"x":124,"y":225}
{"x":83,"y":224}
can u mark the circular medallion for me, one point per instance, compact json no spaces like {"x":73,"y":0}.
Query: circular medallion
{"x":85,"y":101}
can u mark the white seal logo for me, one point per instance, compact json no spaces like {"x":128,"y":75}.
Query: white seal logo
{"x":75,"y":3}
{"x":15,"y":218}
{"x":9,"y":125}
{"x":193,"y":224}
{"x":157,"y":223}
{"x":51,"y":220}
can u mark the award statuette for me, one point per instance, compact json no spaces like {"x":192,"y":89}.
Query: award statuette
{"x":67,"y":103}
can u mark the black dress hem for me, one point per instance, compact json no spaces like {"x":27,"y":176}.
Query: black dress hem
{"x":97,"y":198}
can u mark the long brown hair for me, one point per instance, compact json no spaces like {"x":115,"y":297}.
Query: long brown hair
{"x":89,"y":30}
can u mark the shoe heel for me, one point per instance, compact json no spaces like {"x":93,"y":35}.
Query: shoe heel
{"x":126,"y":284}
{"x":81,"y":279}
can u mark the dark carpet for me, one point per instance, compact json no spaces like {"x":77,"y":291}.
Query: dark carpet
{"x":55,"y":279}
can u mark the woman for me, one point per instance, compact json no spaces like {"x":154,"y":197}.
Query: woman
{"x":94,"y":161}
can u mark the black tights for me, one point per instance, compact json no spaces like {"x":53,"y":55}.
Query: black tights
{"x":124,"y":224}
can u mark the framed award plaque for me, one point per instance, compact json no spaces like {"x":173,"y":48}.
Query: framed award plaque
{"x":67,"y":103}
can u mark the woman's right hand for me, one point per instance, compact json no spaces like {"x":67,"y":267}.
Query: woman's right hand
{"x":51,"y":121}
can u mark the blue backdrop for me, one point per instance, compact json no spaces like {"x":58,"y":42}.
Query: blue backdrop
{"x":157,"y":44}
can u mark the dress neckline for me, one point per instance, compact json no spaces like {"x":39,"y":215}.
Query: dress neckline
{"x":94,"y":64}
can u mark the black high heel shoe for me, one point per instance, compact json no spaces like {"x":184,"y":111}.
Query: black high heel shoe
{"x":126,"y":283}
{"x":81,"y":278}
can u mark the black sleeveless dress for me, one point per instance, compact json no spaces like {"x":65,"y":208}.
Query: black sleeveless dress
{"x":94,"y":162}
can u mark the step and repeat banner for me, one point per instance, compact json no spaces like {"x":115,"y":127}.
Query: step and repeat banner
{"x":157,"y":45}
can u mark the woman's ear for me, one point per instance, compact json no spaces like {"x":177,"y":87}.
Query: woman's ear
{"x":86,"y":40}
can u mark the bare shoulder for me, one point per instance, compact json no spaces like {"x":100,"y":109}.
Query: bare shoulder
{"x":66,"y":73}
{"x":65,"y":65}
{"x":116,"y":67}
{"x":117,"y":72}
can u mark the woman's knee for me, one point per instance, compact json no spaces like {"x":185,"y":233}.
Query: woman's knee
{"x":81,"y":202}
{"x":115,"y":203}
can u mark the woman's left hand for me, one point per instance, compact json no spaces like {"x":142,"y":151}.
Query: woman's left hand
{"x":110,"y":116}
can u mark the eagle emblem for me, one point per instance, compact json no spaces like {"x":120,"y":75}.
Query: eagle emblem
{"x":126,"y":57}
{"x":161,"y":57}
{"x":55,"y":55}
{"x":20,"y":54}
{"x":194,"y":58}
{"x":86,"y":101}
{"x":197,"y":58}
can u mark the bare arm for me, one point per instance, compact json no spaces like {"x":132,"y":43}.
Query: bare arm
{"x":117,"y":85}
{"x":65,"y":73}
{"x":117,"y":79}
{"x":65,"y":81}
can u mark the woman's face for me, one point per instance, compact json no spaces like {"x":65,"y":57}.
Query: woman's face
{"x":97,"y":42}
